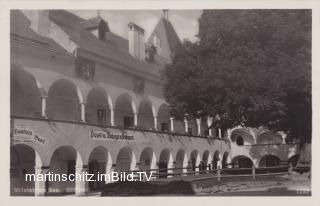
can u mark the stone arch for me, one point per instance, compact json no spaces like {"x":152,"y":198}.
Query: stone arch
{"x":242,"y":161}
{"x":181,"y":161}
{"x":269,"y":161}
{"x":125,"y":108}
{"x":269,"y":137}
{"x":64,"y":160}
{"x":194,"y":160}
{"x":26,"y":93}
{"x":148,"y":159}
{"x":216,"y":160}
{"x":242,"y":134}
{"x":126,"y":160}
{"x":98,"y":107}
{"x":206,"y":160}
{"x":64,"y":99}
{"x":23,"y":160}
{"x":164,"y":118}
{"x":146,"y":112}
{"x":226,"y":160}
{"x":99,"y":159}
{"x":165,"y":162}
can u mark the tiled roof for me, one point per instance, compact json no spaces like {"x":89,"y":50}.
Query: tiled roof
{"x":168,"y":36}
{"x":113,"y":48}
{"x":20,"y":31}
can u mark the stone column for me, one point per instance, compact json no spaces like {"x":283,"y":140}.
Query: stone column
{"x":82,"y":112}
{"x":110,"y":168}
{"x":112,"y":117}
{"x":81,"y":186}
{"x":171,"y":124}
{"x":220,"y":136}
{"x":155,"y":122}
{"x":209,"y":123}
{"x":40,"y":186}
{"x":185,"y":125}
{"x":199,"y":126}
{"x":44,"y":107}
{"x":135,"y":119}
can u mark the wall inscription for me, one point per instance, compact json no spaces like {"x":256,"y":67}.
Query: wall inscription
{"x":104,"y":135}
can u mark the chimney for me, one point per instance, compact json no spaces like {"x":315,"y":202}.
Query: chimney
{"x":136,"y":41}
{"x":40,"y":21}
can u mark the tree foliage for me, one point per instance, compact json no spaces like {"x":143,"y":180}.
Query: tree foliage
{"x":249,"y":67}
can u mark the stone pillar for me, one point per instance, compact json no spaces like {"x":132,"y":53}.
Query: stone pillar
{"x":135,"y":119}
{"x":209,"y":123}
{"x":155,"y":122}
{"x":199,"y":126}
{"x":171,"y":124}
{"x":40,"y":186}
{"x":185,"y":125}
{"x":112,"y":117}
{"x":82,"y":112}
{"x":44,"y":107}
{"x":220,"y":136}
{"x":110,"y":168}
{"x":81,"y":186}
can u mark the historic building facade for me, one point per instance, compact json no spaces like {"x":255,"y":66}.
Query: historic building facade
{"x":86,"y":99}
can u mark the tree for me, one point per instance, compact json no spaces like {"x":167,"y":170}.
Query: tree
{"x":249,"y":67}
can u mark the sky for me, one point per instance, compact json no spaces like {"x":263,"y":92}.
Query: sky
{"x":185,"y":22}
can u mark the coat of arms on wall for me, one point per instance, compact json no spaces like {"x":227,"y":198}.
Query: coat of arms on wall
{"x":138,"y":85}
{"x":84,"y":68}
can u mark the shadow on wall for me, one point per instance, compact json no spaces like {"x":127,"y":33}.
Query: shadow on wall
{"x":148,"y":189}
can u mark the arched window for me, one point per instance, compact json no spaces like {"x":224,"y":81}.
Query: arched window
{"x":239,"y":141}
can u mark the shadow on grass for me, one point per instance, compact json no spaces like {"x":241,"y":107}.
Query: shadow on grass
{"x":147,"y":189}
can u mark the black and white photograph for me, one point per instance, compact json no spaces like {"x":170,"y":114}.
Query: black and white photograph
{"x":165,"y":102}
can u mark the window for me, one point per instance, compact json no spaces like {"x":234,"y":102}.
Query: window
{"x":190,"y":131}
{"x":127,"y":121}
{"x":239,"y":141}
{"x":206,"y":132}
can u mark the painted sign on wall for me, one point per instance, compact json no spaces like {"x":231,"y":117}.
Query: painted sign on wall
{"x":21,"y":134}
{"x":104,"y":135}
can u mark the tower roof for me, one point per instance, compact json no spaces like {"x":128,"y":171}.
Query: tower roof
{"x":169,"y":39}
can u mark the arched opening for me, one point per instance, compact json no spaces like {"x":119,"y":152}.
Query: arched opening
{"x":63,"y":101}
{"x":63,"y":162}
{"x":239,"y":141}
{"x":147,"y":159}
{"x":124,"y":112}
{"x":205,"y":161}
{"x":145,"y":115}
{"x":124,"y":160}
{"x":242,"y":162}
{"x":25,"y":96}
{"x":242,"y":136}
{"x":194,"y":160}
{"x":269,"y":161}
{"x":164,"y":118}
{"x":97,"y":164}
{"x":225,"y":160}
{"x":215,"y":160}
{"x":181,"y":161}
{"x":164,"y":163}
{"x":97,"y":108}
{"x":269,"y":137}
{"x":294,"y":160}
{"x":22,"y":162}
